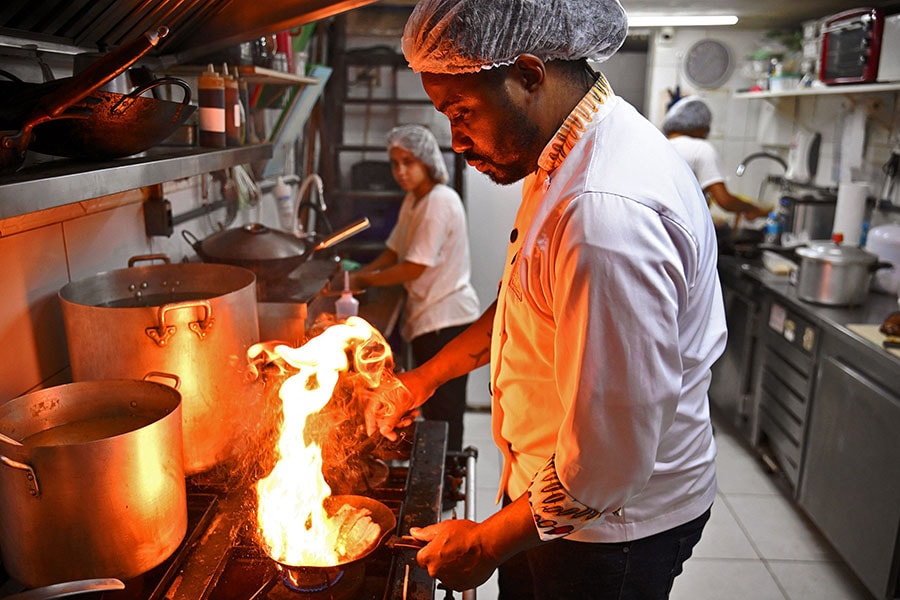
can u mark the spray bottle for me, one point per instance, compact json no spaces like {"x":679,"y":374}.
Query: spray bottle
{"x":346,"y":305}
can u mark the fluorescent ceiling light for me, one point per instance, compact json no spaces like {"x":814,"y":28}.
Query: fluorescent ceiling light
{"x":648,"y":20}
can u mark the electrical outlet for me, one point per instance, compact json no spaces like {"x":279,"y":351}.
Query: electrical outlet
{"x":158,"y":218}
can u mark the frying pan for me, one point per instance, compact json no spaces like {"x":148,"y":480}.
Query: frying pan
{"x":381,"y":515}
{"x":117,"y":124}
{"x":14,"y":140}
{"x":271,"y":254}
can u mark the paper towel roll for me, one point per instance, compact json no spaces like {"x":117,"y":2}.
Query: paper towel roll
{"x":850,"y":211}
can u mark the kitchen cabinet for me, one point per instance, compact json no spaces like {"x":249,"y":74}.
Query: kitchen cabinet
{"x":788,"y":352}
{"x":850,"y":486}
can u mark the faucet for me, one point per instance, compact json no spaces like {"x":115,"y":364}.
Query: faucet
{"x":309,"y":228}
{"x":748,"y":159}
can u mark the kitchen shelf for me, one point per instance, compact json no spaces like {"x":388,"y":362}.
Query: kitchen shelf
{"x":846,"y":90}
{"x":61,"y":182}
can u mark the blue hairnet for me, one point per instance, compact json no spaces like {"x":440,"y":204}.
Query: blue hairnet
{"x":688,"y":114}
{"x":466,"y":36}
{"x":422,"y":144}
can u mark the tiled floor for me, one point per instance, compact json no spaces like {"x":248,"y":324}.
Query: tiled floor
{"x":757,"y":545}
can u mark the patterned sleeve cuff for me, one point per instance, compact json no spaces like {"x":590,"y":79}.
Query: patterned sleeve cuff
{"x":556,"y":513}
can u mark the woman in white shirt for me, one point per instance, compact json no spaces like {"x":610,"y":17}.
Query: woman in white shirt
{"x":428,"y":253}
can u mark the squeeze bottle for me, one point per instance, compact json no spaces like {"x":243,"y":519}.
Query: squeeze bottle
{"x":212,"y":108}
{"x":284,"y":201}
{"x":346,"y":305}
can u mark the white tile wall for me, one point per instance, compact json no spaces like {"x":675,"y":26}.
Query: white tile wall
{"x":32,"y":269}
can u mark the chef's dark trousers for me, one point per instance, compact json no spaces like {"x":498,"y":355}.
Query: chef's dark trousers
{"x":449,"y":401}
{"x":642,"y":569}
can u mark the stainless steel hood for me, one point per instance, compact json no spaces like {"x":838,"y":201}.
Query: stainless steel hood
{"x":198,"y":27}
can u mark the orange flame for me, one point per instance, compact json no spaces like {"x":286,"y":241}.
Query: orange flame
{"x":294,"y":527}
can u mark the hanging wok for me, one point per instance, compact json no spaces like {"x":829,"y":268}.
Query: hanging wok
{"x":116,"y":125}
{"x":270,"y":253}
{"x":16,"y":137}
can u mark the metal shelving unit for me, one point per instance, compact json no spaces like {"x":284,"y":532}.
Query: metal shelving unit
{"x":61,"y":182}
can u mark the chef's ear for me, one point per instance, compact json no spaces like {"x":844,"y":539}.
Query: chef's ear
{"x":529,"y":71}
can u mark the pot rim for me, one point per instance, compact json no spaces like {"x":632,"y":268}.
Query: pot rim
{"x":837,"y":254}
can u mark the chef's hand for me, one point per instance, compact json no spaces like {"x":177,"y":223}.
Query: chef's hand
{"x":389,"y":407}
{"x":456,"y":553}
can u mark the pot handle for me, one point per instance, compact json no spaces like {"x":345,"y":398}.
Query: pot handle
{"x":880,"y":265}
{"x":33,"y":487}
{"x":162,"y":332}
{"x":148,"y":258}
{"x":171,"y":376}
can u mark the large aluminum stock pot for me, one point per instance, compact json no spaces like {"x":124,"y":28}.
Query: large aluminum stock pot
{"x":91,"y":481}
{"x":193,"y":320}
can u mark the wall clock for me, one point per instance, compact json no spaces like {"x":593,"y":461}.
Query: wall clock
{"x":708,"y":64}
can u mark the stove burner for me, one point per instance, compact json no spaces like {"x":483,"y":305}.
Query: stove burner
{"x":314,"y":583}
{"x":310,"y":579}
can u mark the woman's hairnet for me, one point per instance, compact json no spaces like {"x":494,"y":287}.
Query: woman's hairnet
{"x":422,"y":144}
{"x":688,"y":114}
{"x":466,"y":36}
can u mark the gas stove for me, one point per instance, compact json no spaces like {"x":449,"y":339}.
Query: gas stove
{"x":219,"y":560}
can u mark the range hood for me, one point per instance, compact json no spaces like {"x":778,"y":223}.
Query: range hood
{"x":197,"y":27}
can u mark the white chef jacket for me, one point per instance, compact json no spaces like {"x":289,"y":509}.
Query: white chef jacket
{"x":432,"y":232}
{"x":608,"y":320}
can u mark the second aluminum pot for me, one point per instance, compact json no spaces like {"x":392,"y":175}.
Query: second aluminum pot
{"x":833,"y":274}
{"x":193,"y":320}
{"x":95,"y":485}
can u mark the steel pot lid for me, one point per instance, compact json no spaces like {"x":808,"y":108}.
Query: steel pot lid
{"x":253,"y":241}
{"x":837,"y":253}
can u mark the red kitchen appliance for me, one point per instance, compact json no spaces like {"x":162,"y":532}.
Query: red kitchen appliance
{"x":851,"y":46}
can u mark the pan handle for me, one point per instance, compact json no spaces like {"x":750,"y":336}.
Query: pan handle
{"x":95,"y":75}
{"x":127,"y":100}
{"x":69,"y":588}
{"x":343,"y":233}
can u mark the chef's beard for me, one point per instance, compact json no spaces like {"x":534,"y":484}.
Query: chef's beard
{"x":521,"y":141}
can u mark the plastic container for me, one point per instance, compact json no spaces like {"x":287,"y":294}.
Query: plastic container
{"x":211,"y":99}
{"x":346,"y":305}
{"x":284,"y":201}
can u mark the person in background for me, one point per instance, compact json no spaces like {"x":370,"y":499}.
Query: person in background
{"x":608,"y":318}
{"x":428,"y":252}
{"x":687,"y":125}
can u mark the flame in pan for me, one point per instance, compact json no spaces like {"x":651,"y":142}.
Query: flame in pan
{"x":294,"y":527}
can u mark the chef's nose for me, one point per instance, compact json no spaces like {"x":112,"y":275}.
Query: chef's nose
{"x":459,"y":141}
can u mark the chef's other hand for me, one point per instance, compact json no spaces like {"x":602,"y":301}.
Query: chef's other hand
{"x":389,"y":407}
{"x":455,"y":554}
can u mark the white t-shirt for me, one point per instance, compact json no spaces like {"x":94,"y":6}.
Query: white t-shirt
{"x":701,"y":156}
{"x":609,"y":318}
{"x":432,"y":232}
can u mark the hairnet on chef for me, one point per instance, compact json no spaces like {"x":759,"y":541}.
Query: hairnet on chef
{"x":466,"y":36}
{"x":688,"y":114}
{"x":422,"y":144}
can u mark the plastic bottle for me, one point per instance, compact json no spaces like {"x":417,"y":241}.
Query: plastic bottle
{"x":284,"y":201}
{"x":232,"y":109}
{"x":346,"y":305}
{"x":211,"y":98}
{"x":773,"y":229}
